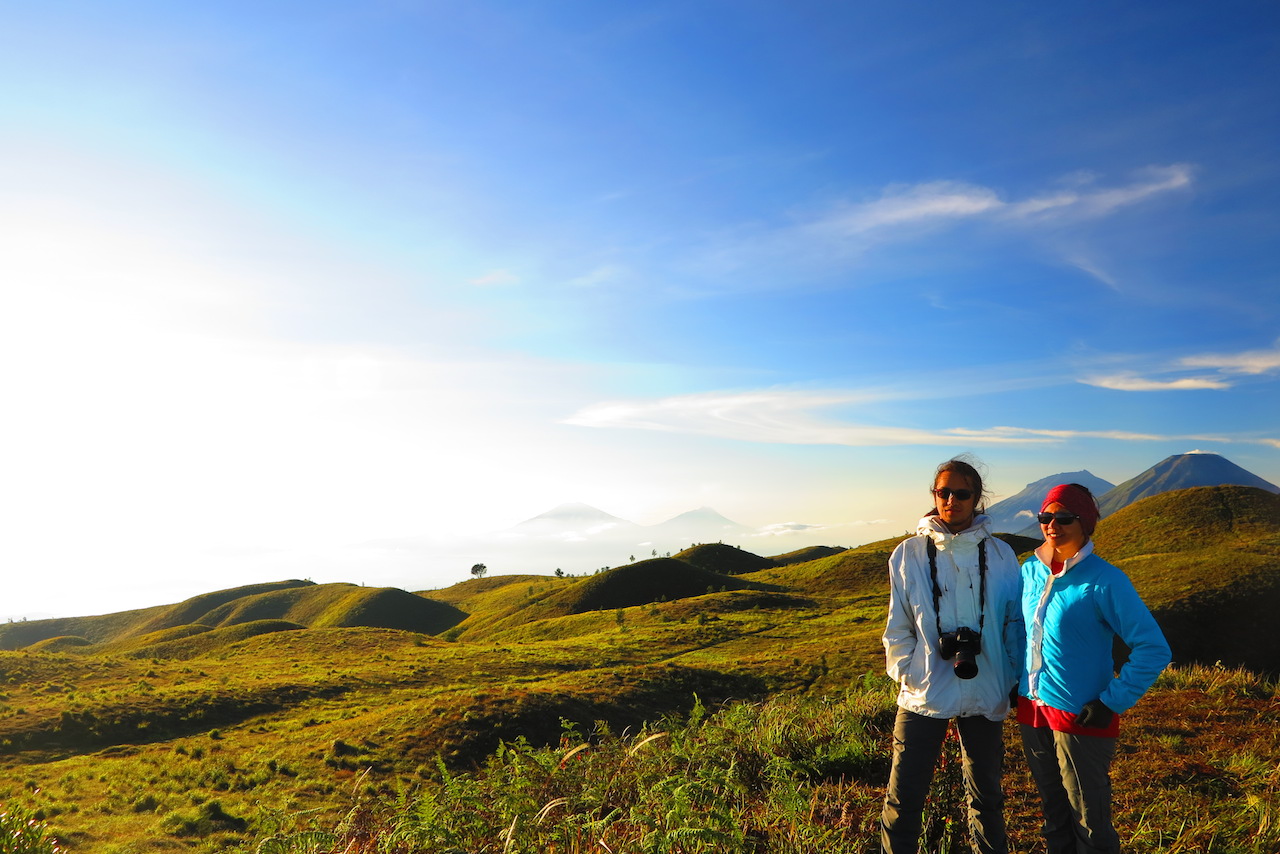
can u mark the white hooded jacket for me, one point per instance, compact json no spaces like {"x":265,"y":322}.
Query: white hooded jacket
{"x":927,"y":683}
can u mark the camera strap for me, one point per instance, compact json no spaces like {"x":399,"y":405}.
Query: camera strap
{"x":932,"y":548}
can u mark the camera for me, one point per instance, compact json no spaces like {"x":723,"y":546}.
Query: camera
{"x":963,"y":644}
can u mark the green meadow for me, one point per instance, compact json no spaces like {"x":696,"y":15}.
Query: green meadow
{"x":712,"y":701}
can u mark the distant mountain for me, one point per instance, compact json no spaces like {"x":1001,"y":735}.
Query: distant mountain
{"x":580,"y":523}
{"x":580,"y":538}
{"x":575,"y":522}
{"x":1016,"y":513}
{"x":696,"y":526}
{"x":1181,"y":471}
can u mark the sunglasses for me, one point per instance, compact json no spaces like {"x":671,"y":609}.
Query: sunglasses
{"x":946,"y":492}
{"x":1059,"y":517}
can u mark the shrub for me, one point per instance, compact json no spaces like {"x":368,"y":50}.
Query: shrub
{"x":788,"y":774}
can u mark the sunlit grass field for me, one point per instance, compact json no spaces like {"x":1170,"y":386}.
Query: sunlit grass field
{"x":714,"y":701}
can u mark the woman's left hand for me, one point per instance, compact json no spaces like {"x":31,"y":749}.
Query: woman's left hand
{"x":1095,"y":715}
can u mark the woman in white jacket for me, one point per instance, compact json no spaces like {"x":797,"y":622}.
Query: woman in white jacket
{"x":954,"y":643}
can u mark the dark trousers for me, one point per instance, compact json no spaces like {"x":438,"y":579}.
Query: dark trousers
{"x":1073,"y":774}
{"x":917,"y":744}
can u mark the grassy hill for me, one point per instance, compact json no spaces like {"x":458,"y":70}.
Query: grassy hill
{"x":1207,"y":562}
{"x":286,"y":705}
{"x":805,"y":555}
{"x":726,"y":560}
{"x":299,"y":602}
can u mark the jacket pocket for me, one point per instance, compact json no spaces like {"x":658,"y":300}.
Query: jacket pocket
{"x":916,"y":677}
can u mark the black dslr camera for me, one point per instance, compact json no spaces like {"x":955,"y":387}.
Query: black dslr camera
{"x":963,"y":644}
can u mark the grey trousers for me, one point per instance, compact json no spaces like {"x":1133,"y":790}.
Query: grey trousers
{"x":917,"y":743}
{"x":1073,"y":773}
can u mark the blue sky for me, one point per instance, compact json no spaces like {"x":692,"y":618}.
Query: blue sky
{"x":279,"y":281}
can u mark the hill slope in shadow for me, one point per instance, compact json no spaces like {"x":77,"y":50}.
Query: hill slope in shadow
{"x":726,"y":560}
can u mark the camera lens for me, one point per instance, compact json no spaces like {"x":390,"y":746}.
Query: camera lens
{"x":965,"y":644}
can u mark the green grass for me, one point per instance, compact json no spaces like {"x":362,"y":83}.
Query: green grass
{"x":1207,"y":562}
{"x":266,"y":714}
{"x":723,"y":559}
{"x":799,"y":774}
{"x":299,"y":602}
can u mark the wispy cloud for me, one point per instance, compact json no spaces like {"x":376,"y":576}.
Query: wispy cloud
{"x":1100,"y":202}
{"x":845,"y":230}
{"x":774,"y":417}
{"x":604,"y":274}
{"x":1095,"y":270}
{"x":1130,"y":382}
{"x":779,"y":416}
{"x":1030,"y":433}
{"x":1248,"y":362}
{"x":790,"y":529}
{"x":937,"y":202}
{"x":901,"y":206}
{"x":783,"y":529}
{"x":1230,"y":366}
{"x":495,"y":278}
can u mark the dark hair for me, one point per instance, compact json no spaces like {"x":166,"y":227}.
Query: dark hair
{"x":969,"y":471}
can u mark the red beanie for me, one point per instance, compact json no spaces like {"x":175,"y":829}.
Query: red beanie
{"x":1077,"y":500}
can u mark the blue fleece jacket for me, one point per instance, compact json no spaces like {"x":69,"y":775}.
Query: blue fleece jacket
{"x":1071,"y":619}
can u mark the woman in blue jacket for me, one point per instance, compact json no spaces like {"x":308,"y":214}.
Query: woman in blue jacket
{"x":1074,"y":605}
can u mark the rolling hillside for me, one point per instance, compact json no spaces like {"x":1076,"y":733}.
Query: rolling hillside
{"x":121,"y":726}
{"x":299,"y":602}
{"x":1207,"y":562}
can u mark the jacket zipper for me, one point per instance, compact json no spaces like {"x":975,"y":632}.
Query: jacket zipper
{"x":1037,"y":639}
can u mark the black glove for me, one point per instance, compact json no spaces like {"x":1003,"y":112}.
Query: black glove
{"x":1095,"y":715}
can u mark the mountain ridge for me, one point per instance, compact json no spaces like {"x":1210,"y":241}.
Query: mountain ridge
{"x":1017,"y":512}
{"x":1181,"y":471}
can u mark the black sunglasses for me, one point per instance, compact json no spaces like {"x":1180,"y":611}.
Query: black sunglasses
{"x":1060,"y":517}
{"x":946,"y":492}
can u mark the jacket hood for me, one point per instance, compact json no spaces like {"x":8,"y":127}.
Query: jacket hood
{"x":963,"y":543}
{"x":932,"y":526}
{"x":1045,"y":553}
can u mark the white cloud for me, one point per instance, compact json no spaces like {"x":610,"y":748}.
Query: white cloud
{"x":769,"y":416}
{"x":1103,"y":202}
{"x":911,"y":205}
{"x":1130,"y":382}
{"x":942,"y":201}
{"x":1248,"y":362}
{"x":841,"y":531}
{"x":605,"y":274}
{"x":1030,"y":433}
{"x":775,"y":417}
{"x":1230,"y":366}
{"x":782,"y":529}
{"x":495,"y":278}
{"x":1093,"y":269}
{"x":845,"y":231}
